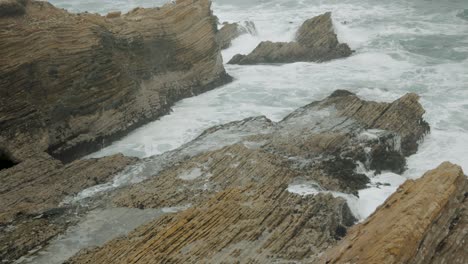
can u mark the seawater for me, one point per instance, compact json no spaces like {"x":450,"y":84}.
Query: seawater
{"x":401,"y":46}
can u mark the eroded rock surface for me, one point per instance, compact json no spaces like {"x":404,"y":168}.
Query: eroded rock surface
{"x":239,"y":180}
{"x":72,"y":83}
{"x":231,"y":31}
{"x":424,"y":221}
{"x":31,"y":193}
{"x":315,"y":41}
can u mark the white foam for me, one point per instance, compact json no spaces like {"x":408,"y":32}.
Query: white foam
{"x":401,"y":47}
{"x":191,"y":175}
{"x":381,"y":187}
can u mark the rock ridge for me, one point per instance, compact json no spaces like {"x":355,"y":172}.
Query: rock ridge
{"x":72,"y":83}
{"x":424,"y":221}
{"x":243,"y":183}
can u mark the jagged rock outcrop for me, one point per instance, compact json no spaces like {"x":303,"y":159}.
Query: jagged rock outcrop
{"x":71,"y":83}
{"x":31,"y":194}
{"x":424,"y":221}
{"x":231,"y":31}
{"x":241,"y":181}
{"x":315,"y":41}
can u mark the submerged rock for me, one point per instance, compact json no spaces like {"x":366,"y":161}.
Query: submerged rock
{"x":424,"y":221}
{"x":72,"y":83}
{"x":231,"y":31}
{"x":315,"y":41}
{"x":240,"y":179}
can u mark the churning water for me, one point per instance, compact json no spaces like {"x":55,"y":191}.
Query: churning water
{"x":401,"y":46}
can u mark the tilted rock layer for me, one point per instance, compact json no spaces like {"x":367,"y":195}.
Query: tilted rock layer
{"x":31,"y":194}
{"x":70,"y":83}
{"x":315,"y":41}
{"x":424,"y":221}
{"x":240,"y":180}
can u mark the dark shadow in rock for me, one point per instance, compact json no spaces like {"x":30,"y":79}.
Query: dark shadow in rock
{"x":6,"y":161}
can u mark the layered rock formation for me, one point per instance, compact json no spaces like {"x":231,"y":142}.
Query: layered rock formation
{"x":31,"y":194}
{"x":424,"y":221}
{"x":315,"y":41}
{"x":231,"y":31}
{"x":241,"y":181}
{"x":71,"y":83}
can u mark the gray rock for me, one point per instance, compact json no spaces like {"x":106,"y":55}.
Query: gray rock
{"x":315,"y":41}
{"x":231,"y":31}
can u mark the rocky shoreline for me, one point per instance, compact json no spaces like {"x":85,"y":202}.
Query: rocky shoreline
{"x":72,"y":83}
{"x":248,"y":191}
{"x":237,"y":190}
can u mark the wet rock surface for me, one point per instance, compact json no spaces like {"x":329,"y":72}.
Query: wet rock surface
{"x":424,"y":221}
{"x":72,"y":83}
{"x":315,"y":41}
{"x":238,"y":180}
{"x":31,"y":195}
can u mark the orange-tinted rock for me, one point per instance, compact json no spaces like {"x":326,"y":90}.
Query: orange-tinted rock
{"x":424,"y":221}
{"x":239,"y":179}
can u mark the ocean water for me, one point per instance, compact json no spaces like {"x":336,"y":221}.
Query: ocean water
{"x":401,"y":46}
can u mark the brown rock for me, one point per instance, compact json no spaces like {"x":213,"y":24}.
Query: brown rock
{"x":114,"y":14}
{"x":31,"y":194}
{"x":424,"y":221}
{"x":315,"y":41}
{"x":72,"y":83}
{"x":237,"y":179}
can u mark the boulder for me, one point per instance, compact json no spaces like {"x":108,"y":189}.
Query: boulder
{"x":315,"y":41}
{"x":424,"y":221}
{"x":72,"y":83}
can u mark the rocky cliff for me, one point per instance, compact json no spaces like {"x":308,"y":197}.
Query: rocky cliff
{"x":315,"y":41}
{"x":424,"y":221}
{"x":245,"y":181}
{"x":71,"y":83}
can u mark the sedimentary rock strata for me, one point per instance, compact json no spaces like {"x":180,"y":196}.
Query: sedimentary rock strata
{"x":71,"y":83}
{"x":240,"y":181}
{"x":31,"y":193}
{"x":315,"y":41}
{"x":231,"y":31}
{"x":424,"y":221}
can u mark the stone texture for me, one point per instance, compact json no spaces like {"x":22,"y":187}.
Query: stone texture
{"x":424,"y":221}
{"x":231,"y":31}
{"x":31,"y":194}
{"x":239,"y":177}
{"x":72,"y":83}
{"x":315,"y":41}
{"x":12,"y":7}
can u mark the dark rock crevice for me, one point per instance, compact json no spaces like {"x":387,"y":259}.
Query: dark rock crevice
{"x":6,"y":161}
